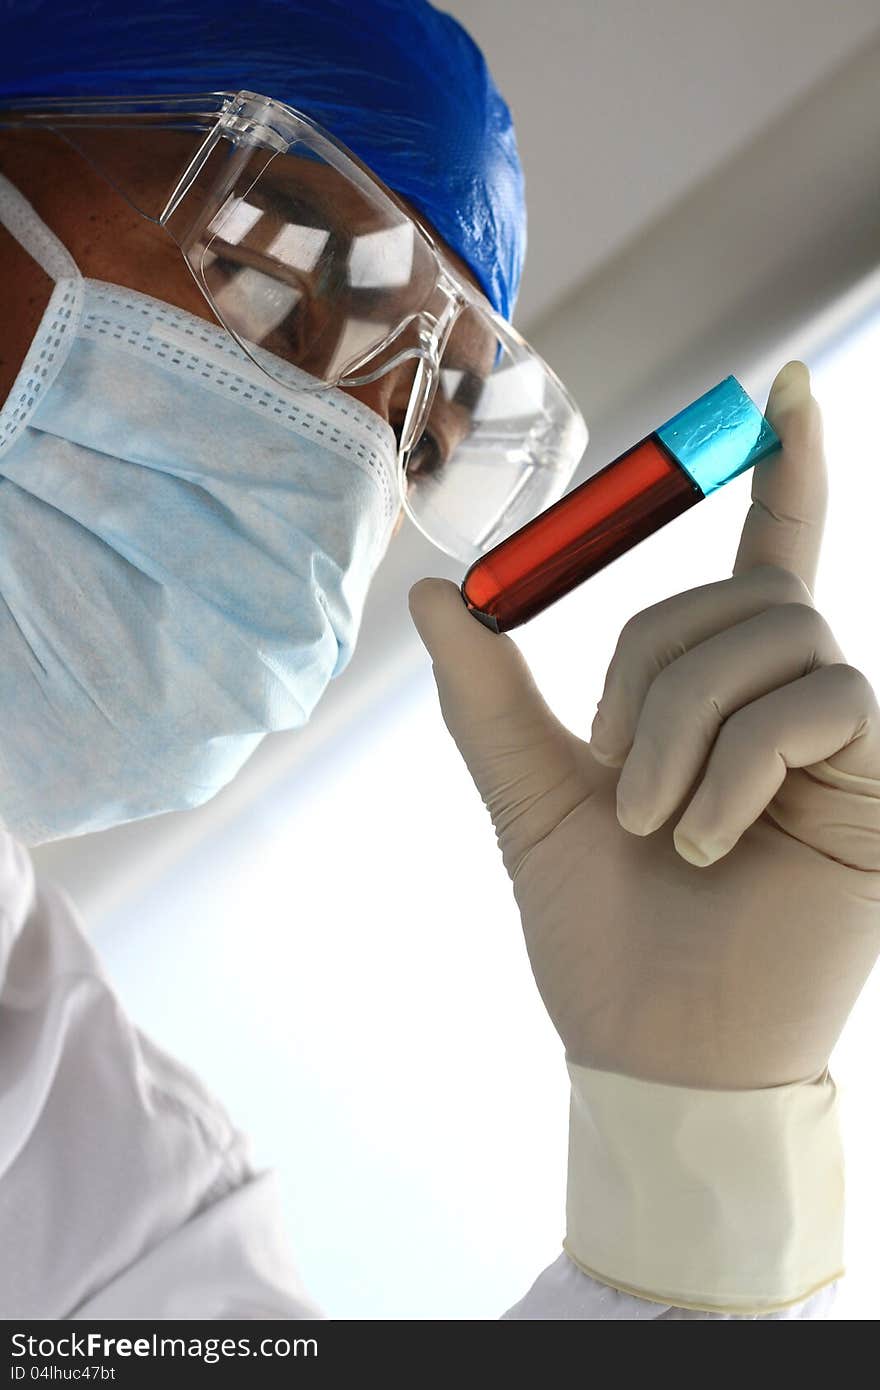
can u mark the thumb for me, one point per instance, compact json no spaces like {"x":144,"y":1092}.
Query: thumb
{"x":525,"y":763}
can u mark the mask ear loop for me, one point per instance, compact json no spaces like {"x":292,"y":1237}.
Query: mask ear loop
{"x":22,"y":222}
{"x":49,"y":348}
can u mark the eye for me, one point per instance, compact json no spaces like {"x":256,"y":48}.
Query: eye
{"x":425,"y":458}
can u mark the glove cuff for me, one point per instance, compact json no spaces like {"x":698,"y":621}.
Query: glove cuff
{"x":726,"y":1201}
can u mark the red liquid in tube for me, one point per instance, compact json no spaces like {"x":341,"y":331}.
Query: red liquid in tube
{"x":600,"y":520}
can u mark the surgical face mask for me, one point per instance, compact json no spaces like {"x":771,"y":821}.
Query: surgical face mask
{"x":184,"y":552}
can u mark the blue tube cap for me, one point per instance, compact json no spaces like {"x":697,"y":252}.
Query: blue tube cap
{"x":719,"y":436}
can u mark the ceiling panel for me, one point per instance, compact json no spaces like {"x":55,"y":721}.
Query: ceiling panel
{"x":621,"y":106}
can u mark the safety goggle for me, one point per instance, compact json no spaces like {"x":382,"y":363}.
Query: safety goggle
{"x":304,"y":255}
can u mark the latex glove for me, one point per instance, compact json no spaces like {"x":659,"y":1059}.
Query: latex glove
{"x":699,"y":885}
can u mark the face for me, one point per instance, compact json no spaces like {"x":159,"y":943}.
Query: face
{"x":110,"y":241}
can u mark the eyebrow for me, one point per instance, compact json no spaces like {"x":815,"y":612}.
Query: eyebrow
{"x":293,"y":188}
{"x":245,"y":257}
{"x":290,"y":203}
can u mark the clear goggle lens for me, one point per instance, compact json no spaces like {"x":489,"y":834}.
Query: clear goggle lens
{"x":335,"y":284}
{"x":500,"y":441}
{"x":303,"y":257}
{"x":309,"y":267}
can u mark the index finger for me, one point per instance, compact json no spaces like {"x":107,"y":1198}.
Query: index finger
{"x":789,"y":490}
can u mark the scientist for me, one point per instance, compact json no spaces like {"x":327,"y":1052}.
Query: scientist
{"x":230,"y":355}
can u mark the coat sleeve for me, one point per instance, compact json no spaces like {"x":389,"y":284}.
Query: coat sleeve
{"x":121,"y":1178}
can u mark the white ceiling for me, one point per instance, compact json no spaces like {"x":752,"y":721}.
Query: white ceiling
{"x":621,"y":106}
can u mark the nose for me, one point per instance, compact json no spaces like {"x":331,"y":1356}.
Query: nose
{"x":389,"y":395}
{"x":426,"y":337}
{"x":376,"y":395}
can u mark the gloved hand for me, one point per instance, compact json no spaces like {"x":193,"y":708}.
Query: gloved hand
{"x":700,"y":884}
{"x":700,"y":894}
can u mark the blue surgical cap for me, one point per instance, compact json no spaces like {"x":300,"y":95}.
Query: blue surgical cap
{"x":397,"y":81}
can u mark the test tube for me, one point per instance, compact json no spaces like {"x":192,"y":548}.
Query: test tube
{"x":712,"y":440}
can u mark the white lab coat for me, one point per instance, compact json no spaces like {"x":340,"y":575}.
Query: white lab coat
{"x":125,"y":1191}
